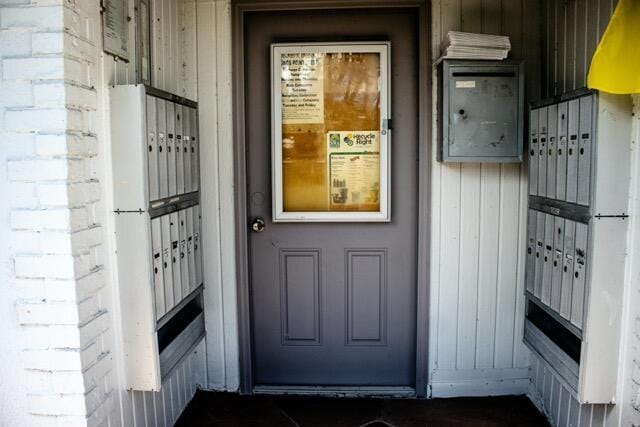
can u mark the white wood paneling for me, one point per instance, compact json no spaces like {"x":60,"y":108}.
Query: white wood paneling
{"x":478,"y":229}
{"x":553,"y":397}
{"x":164,"y":407}
{"x":571,"y":31}
{"x":173,"y":49}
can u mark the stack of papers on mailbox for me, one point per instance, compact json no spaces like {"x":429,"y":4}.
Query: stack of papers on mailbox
{"x":458,"y":45}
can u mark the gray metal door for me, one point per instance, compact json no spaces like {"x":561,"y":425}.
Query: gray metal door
{"x":334,"y":303}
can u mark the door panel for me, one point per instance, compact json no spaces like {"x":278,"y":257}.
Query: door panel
{"x":333,"y":303}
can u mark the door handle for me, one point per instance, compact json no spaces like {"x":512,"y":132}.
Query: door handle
{"x":258,"y":225}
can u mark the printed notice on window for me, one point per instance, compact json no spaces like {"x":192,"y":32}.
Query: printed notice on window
{"x":302,"y":88}
{"x":354,"y":170}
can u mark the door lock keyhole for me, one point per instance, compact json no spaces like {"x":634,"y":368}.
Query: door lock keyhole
{"x":258,"y":225}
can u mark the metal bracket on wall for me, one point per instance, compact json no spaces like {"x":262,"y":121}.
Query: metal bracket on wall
{"x":622,"y":216}
{"x":119,"y":211}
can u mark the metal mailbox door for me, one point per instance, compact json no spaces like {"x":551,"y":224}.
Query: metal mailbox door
{"x":584,"y":150}
{"x":567,"y":269}
{"x":179,"y":150}
{"x":185,"y":117}
{"x":547,"y":269}
{"x":152,"y":149}
{"x":167,"y":262}
{"x":579,"y":275}
{"x":163,"y":175}
{"x":195,"y":212}
{"x":561,"y":165}
{"x":556,"y":275}
{"x":533,"y":153}
{"x":190,"y":252}
{"x":184,"y":261}
{"x":477,"y":128}
{"x":158,"y":271}
{"x":540,"y":235}
{"x":572,"y":151}
{"x":542,"y":151}
{"x":531,"y":251}
{"x":171,"y":148}
{"x":552,"y":137}
{"x":195,"y":159}
{"x":175,"y":257}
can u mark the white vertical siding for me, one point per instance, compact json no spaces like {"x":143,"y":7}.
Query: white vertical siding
{"x":173,"y":49}
{"x":571,"y":31}
{"x":553,"y":397}
{"x":164,"y":408}
{"x":173,"y":45}
{"x":478,"y":227}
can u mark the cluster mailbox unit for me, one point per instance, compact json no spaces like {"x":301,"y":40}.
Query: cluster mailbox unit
{"x":576,"y":238}
{"x":155,"y":160}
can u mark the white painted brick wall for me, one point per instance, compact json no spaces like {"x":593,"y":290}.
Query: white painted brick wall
{"x":50,"y":63}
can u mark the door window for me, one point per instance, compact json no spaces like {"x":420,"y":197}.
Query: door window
{"x":330,"y":133}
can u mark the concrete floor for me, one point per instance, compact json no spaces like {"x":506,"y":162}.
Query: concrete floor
{"x":226,"y":409}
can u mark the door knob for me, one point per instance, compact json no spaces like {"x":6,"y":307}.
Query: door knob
{"x":258,"y":225}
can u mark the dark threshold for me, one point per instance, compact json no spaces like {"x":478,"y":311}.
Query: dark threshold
{"x":227,"y":409}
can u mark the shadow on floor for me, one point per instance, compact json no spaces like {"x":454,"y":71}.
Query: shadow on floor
{"x":227,"y":409}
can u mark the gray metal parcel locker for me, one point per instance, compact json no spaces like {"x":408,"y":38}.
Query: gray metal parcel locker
{"x":160,"y":296}
{"x":482,"y":107}
{"x":573,"y":311}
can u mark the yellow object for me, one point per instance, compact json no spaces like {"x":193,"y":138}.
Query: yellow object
{"x":615,"y":67}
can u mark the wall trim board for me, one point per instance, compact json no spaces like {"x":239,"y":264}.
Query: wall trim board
{"x":479,"y":382}
{"x":479,"y":388}
{"x":214,"y":75}
{"x":456,"y":375}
